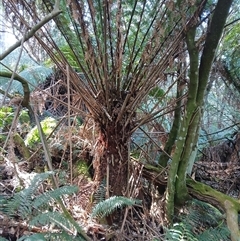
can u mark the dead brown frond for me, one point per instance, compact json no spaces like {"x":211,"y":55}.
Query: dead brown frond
{"x":122,"y":50}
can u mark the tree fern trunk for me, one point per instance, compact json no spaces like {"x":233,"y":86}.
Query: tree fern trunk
{"x":111,"y":159}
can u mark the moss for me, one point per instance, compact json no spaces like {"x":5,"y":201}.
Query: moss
{"x":33,"y":136}
{"x":81,"y":168}
{"x":19,"y":143}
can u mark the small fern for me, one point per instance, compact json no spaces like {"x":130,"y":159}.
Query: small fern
{"x":202,"y":222}
{"x":53,"y":195}
{"x":21,"y":203}
{"x":34,"y":237}
{"x":108,"y":206}
{"x":3,"y":239}
{"x":36,"y":210}
{"x":48,"y":218}
{"x":63,"y":236}
{"x":178,"y":232}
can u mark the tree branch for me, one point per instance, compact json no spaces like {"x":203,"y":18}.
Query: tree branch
{"x":26,"y":90}
{"x":213,"y":36}
{"x":56,"y":11}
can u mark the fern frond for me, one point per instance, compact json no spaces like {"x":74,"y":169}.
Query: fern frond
{"x":215,"y":234}
{"x":108,"y":206}
{"x":46,"y":197}
{"x":36,"y":181}
{"x":179,"y":232}
{"x":100,"y":193}
{"x":52,"y":218}
{"x":21,"y":203}
{"x":202,"y":222}
{"x":3,"y":239}
{"x":63,"y":236}
{"x":34,"y":237}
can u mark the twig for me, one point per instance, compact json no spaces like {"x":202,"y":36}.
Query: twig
{"x":34,"y":29}
{"x":69,"y":125}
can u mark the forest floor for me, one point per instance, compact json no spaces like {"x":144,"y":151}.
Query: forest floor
{"x":145,"y":220}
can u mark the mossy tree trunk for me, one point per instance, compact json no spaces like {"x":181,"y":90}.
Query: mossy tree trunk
{"x":186,"y":141}
{"x":164,"y":158}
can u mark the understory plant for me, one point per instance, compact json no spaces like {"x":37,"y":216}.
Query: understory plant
{"x":41,"y":209}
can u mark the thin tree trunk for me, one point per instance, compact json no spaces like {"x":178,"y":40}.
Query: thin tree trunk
{"x":188,"y":134}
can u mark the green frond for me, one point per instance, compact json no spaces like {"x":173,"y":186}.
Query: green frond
{"x":48,"y":218}
{"x":37,"y":180}
{"x":21,"y":203}
{"x":180,"y":231}
{"x":34,"y":237}
{"x":63,"y":236}
{"x":3,"y":239}
{"x":100,"y":193}
{"x":202,"y":222}
{"x":53,"y":195}
{"x":215,"y":234}
{"x":108,"y":206}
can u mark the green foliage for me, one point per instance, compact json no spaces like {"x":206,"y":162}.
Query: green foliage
{"x":63,"y":236}
{"x":49,"y":217}
{"x":81,"y":168}
{"x":24,"y":117}
{"x":34,"y":237}
{"x":34,"y":75}
{"x":156,"y":93}
{"x":36,"y":209}
{"x":33,"y":136}
{"x":180,"y":231}
{"x":202,"y":222}
{"x":3,"y":239}
{"x":21,"y":203}
{"x":6,"y":116}
{"x":70,"y":56}
{"x":51,"y":195}
{"x":111,"y":204}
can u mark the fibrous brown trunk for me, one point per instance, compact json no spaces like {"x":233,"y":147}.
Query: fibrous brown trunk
{"x":111,"y":159}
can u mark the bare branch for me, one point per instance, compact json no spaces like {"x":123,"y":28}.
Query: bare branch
{"x":56,"y":11}
{"x":26,"y":90}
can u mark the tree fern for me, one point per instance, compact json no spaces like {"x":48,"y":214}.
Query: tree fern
{"x":109,"y":205}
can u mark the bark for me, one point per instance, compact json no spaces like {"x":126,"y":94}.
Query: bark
{"x":188,"y":135}
{"x":203,"y":192}
{"x":164,"y":158}
{"x":223,"y":202}
{"x":182,"y":135}
{"x":111,"y":160}
{"x":20,"y":145}
{"x":26,"y":90}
